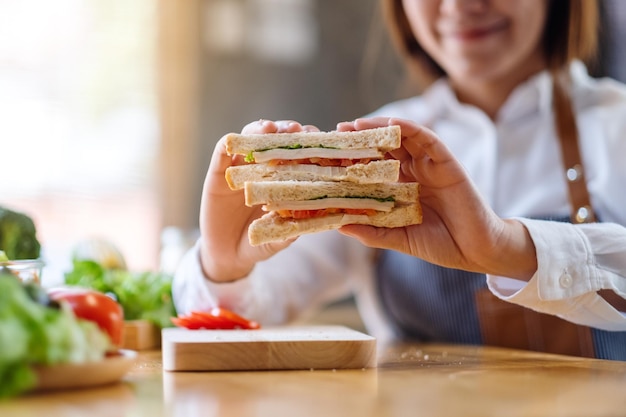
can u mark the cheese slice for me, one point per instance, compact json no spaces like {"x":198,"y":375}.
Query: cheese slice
{"x":331,"y":202}
{"x":326,"y":153}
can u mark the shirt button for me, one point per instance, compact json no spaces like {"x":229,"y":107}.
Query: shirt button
{"x":565,"y":280}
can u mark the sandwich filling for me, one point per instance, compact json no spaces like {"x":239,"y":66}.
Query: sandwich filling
{"x":325,"y":206}
{"x":317,"y":156}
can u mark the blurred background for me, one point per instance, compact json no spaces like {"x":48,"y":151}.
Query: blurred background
{"x":109,"y":109}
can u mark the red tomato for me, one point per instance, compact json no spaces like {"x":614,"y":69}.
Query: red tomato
{"x":231,"y":317}
{"x":93,"y":306}
{"x":325,"y":162}
{"x":186,"y":322}
{"x":308,"y":214}
{"x":302,"y":214}
{"x":214,"y":319}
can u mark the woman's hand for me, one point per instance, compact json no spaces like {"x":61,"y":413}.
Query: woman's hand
{"x":459,"y":229}
{"x":225,"y":253}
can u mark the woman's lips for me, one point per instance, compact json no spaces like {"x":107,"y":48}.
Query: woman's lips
{"x":475,"y":33}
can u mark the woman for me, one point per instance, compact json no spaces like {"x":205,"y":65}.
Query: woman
{"x":506,"y":93}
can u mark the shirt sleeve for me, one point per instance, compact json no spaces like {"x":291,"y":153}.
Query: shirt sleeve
{"x":574,"y":262}
{"x":312,"y":271}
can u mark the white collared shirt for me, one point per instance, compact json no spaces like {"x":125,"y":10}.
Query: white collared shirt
{"x":515,"y":163}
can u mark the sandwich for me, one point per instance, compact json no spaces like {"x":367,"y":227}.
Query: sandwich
{"x":354,"y":156}
{"x":298,"y":207}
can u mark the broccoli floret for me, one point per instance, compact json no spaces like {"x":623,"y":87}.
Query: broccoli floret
{"x":18,"y":236}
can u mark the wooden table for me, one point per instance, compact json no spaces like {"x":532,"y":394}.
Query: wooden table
{"x":411,"y":380}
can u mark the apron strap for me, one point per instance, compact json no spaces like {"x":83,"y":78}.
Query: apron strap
{"x":567,"y":131}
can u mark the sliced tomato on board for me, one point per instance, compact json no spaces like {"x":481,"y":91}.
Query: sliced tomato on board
{"x":186,"y":322}
{"x":217,"y":318}
{"x":232,"y":317}
{"x":213,"y":321}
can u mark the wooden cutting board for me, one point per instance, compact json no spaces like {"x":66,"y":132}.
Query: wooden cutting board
{"x":141,"y":335}
{"x":290,"y":347}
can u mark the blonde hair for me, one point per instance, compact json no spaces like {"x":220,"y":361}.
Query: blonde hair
{"x":571,"y":32}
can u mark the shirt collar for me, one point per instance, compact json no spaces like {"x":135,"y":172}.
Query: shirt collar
{"x":532,"y":96}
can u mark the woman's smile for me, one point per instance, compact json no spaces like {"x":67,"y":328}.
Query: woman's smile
{"x":474,"y":33}
{"x":495,"y":42}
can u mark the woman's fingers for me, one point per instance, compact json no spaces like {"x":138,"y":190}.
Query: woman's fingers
{"x":310,"y":128}
{"x":345,"y":127}
{"x":288,"y":126}
{"x":423,"y":156}
{"x":279,"y":126}
{"x":260,"y":126}
{"x":378,"y":237}
{"x":417,"y":140}
{"x":362,"y":124}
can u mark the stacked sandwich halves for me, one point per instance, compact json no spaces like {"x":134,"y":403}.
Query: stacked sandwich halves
{"x":315,"y":181}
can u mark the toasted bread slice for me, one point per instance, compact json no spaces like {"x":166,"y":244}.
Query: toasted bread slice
{"x":382,"y":139}
{"x":273,"y":191}
{"x":386,"y":170}
{"x":273,"y":228}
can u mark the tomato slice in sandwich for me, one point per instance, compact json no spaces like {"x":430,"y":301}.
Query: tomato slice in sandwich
{"x":309,"y":214}
{"x":324,"y":162}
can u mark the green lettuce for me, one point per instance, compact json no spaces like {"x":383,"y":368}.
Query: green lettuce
{"x":35,"y":333}
{"x":142,"y":295}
